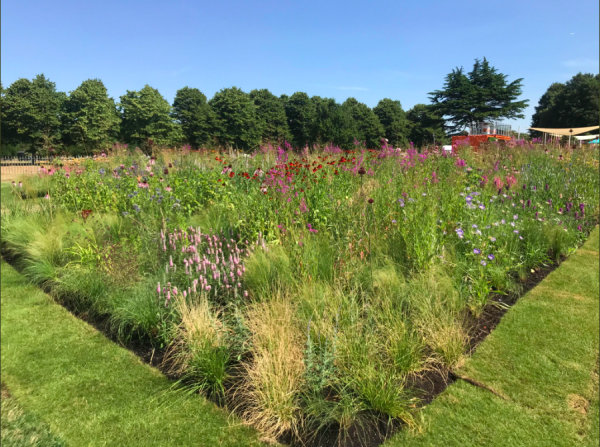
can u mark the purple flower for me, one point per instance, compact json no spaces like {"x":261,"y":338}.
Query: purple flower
{"x":477,"y":251}
{"x":491,"y":257}
{"x":493,"y":239}
{"x":473,"y":226}
{"x":503,"y":221}
{"x":481,"y":206}
{"x":516,"y":216}
{"x":483,"y":263}
{"x":393,"y":221}
{"x":516,"y":231}
{"x":469,"y":199}
{"x":582,"y":208}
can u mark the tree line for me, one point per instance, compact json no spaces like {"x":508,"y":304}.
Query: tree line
{"x":35,"y":116}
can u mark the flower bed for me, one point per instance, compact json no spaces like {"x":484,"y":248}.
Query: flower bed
{"x":306,"y":292}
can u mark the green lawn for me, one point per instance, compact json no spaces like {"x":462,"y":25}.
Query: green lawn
{"x":21,"y":429}
{"x":90,"y":391}
{"x":544,"y":357}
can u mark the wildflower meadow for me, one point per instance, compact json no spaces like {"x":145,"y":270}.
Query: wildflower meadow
{"x":308,"y":292}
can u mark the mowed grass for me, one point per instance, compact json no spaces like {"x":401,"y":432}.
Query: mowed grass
{"x":90,"y":391}
{"x":544,"y":357}
{"x":21,"y":428}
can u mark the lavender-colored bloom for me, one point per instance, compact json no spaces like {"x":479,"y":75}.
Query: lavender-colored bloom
{"x":401,"y":202}
{"x":481,"y":206}
{"x":493,"y":239}
{"x":483,"y":263}
{"x":102,"y":171}
{"x":477,"y":251}
{"x":469,"y":198}
{"x":516,"y":231}
{"x":491,"y":257}
{"x":473,"y":226}
{"x":136,"y":208}
{"x":516,"y":216}
{"x":393,"y":221}
{"x":503,"y":221}
{"x":460,"y":233}
{"x":582,"y":208}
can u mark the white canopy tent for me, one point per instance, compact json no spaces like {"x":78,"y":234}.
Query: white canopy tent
{"x":559,"y":132}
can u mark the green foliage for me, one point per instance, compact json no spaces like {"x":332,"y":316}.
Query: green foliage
{"x":31,"y":112}
{"x":194,"y":115}
{"x":270,"y":112}
{"x":480,"y":95}
{"x":90,"y":117}
{"x":573,"y":104}
{"x":301,"y":114}
{"x":394,"y":121}
{"x":146,"y":119}
{"x":367,"y":127}
{"x":237,"y":124}
{"x":425,"y":126}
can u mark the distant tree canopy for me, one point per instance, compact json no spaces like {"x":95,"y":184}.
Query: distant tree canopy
{"x":90,"y":116}
{"x":573,"y":104}
{"x":31,"y":113}
{"x":194,"y":115}
{"x":367,"y":127}
{"x":237,"y":124}
{"x":36,"y":116}
{"x":270,"y":112}
{"x":425,"y":126}
{"x":301,"y":114}
{"x":394,"y":121}
{"x":480,"y":95}
{"x":146,"y":119}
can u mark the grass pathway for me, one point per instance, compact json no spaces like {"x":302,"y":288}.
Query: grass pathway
{"x":90,"y":391}
{"x":544,"y":357}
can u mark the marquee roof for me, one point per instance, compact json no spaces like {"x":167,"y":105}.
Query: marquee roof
{"x":566,"y":131}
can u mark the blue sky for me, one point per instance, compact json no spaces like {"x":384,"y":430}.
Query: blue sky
{"x":366,"y":49}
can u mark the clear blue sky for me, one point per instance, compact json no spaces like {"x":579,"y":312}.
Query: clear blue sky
{"x":366,"y":49}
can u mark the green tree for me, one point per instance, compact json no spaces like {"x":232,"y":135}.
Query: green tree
{"x":334,"y":123}
{"x":546,"y":108}
{"x":394,"y":121}
{"x":425,"y":126}
{"x":301,"y":115}
{"x":270,"y":112}
{"x":146,"y":119}
{"x":573,"y":104}
{"x":237,"y":124}
{"x":90,"y":117}
{"x":31,"y":113}
{"x":194,"y":115}
{"x":481,"y":95}
{"x":366,"y":126}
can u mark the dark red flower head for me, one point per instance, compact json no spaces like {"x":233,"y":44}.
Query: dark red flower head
{"x":370,"y":201}
{"x":361,"y":171}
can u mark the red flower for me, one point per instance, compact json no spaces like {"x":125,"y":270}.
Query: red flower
{"x":231,"y":174}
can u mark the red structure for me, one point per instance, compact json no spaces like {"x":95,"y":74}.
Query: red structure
{"x":482,"y":132}
{"x":476,"y":140}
